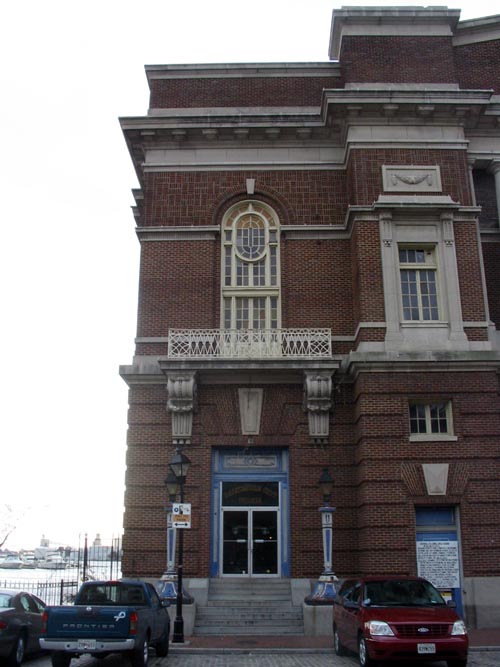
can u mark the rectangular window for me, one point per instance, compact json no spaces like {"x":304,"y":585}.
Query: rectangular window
{"x":227,"y":313}
{"x":259,"y":273}
{"x":259,"y":313}
{"x":273,"y":265}
{"x":227,"y":270}
{"x":241,"y":274}
{"x":430,"y":419}
{"x":419,"y":292}
{"x":242,"y":313}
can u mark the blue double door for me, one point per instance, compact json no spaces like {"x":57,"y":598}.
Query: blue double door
{"x":250,"y":531}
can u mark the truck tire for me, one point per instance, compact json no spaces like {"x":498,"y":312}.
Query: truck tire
{"x":60,"y":659}
{"x":161,"y":647}
{"x":139,"y":656}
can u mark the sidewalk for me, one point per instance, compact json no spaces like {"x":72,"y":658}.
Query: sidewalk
{"x":486,"y":639}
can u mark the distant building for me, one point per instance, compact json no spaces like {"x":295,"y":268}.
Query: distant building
{"x":319,"y":288}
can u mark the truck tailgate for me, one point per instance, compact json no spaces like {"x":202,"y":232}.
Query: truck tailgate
{"x":88,"y":621}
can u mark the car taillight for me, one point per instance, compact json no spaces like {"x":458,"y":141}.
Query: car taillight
{"x":45,"y":617}
{"x":133,"y":623}
{"x":3,"y":625}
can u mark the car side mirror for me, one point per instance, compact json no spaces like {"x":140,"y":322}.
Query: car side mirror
{"x":451,"y":603}
{"x":165,"y":603}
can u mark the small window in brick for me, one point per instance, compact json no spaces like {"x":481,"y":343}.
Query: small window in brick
{"x":430,"y":419}
{"x":419,"y":285}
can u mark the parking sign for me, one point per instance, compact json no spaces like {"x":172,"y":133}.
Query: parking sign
{"x":181,"y":515}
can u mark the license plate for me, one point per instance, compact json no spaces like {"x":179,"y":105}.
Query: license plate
{"x":86,"y":644}
{"x":426,"y":648}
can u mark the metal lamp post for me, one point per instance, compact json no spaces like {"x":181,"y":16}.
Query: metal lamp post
{"x":167,"y":585}
{"x":324,"y":590}
{"x":179,"y":466}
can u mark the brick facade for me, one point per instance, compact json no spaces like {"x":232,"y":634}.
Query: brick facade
{"x":390,"y":146}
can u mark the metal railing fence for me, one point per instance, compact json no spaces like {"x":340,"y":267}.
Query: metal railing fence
{"x":249,"y":343}
{"x":56,"y":578}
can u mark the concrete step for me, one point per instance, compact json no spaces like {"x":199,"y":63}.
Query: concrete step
{"x":251,"y":630}
{"x":221,"y":600}
{"x":249,"y":607}
{"x":224,"y":615}
{"x":240,"y":623}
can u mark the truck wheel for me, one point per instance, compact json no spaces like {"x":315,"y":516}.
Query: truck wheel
{"x":17,"y":654}
{"x":60,"y":659}
{"x":139,"y":657}
{"x":162,"y":647}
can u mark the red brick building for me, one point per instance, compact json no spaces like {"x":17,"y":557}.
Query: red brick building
{"x":319,"y":288}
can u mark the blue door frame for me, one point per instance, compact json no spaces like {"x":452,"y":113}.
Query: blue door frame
{"x":250,"y":465}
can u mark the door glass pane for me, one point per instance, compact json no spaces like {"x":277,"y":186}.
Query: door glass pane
{"x":264,"y":542}
{"x":235,"y":545}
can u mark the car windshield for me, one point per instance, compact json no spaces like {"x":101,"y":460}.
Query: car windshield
{"x":5,"y":600}
{"x":402,"y":593}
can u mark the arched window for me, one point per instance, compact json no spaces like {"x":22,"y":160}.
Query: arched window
{"x":250,"y":284}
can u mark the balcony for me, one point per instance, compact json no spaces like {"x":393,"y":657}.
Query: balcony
{"x":234,"y":344}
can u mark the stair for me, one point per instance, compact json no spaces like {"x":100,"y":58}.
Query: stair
{"x":249,"y":607}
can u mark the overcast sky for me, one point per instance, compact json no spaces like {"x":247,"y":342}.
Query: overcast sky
{"x":69,"y":254}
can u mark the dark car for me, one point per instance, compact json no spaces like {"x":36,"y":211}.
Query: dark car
{"x":20,"y":625}
{"x":397,"y":619}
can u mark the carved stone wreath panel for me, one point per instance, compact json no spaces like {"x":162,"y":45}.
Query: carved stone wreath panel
{"x":406,"y":178}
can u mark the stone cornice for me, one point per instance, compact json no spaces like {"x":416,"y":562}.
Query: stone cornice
{"x":308,"y":129}
{"x":423,"y":21}
{"x":431,"y":361}
{"x":242,"y":70}
{"x":477,"y":30}
{"x":193,"y":233}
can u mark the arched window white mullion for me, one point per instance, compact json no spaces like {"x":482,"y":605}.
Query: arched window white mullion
{"x":250,"y":289}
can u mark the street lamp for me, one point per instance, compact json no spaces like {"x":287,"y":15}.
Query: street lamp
{"x":179,"y":466}
{"x":324,"y":590}
{"x":167,"y":585}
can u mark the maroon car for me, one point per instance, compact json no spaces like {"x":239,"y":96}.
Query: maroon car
{"x":20,"y":625}
{"x":396,"y":619}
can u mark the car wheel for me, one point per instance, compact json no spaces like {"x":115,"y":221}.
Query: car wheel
{"x":364,"y":658}
{"x":17,"y":654}
{"x":60,"y":659}
{"x":140,"y":656}
{"x":339,"y":648}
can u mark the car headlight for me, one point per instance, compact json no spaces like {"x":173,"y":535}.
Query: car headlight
{"x":378,"y":629}
{"x":459,"y":628}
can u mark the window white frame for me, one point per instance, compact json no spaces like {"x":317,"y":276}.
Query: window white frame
{"x":250,"y":272}
{"x":418,"y":283}
{"x":424,"y":231}
{"x":430,"y":421}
